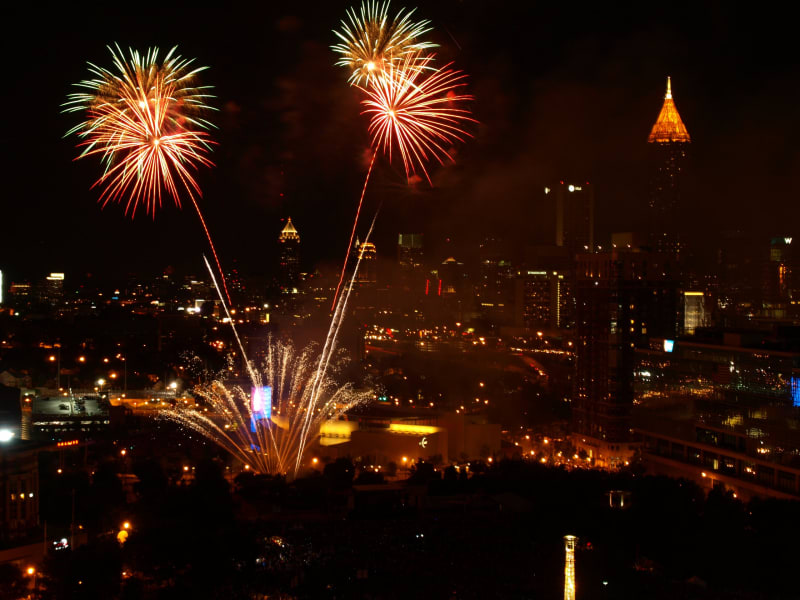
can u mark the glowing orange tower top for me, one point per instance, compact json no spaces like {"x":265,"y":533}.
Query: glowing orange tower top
{"x":669,"y":127}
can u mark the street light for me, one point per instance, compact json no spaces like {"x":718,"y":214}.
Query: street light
{"x":31,"y":571}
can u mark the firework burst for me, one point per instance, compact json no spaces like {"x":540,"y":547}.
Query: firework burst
{"x":301,"y":402}
{"x":143,"y":119}
{"x":144,"y":122}
{"x":418,"y":111}
{"x":370,"y":41}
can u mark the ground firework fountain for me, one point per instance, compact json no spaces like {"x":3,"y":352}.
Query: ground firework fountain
{"x":269,"y":426}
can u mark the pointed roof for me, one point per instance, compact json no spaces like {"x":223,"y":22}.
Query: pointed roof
{"x":669,"y":127}
{"x":289,"y":232}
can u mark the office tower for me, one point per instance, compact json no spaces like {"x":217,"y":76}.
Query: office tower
{"x":410,"y":280}
{"x":669,"y":142}
{"x":777,"y":278}
{"x":624,"y":297}
{"x":559,"y":265}
{"x":53,"y":289}
{"x":495,"y":287}
{"x":368,"y":255}
{"x":409,"y":251}
{"x":694,"y":312}
{"x":540,"y":300}
{"x":574,"y":215}
{"x":289,"y":267}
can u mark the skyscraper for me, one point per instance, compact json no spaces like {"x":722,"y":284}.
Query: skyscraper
{"x":624,"y":297}
{"x":540,"y":299}
{"x":669,"y":141}
{"x":409,"y":251}
{"x":495,"y":287}
{"x":368,"y":255}
{"x":574,"y":216}
{"x":289,"y":267}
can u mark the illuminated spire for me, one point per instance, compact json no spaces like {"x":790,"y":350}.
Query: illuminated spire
{"x":289,"y":232}
{"x":669,"y":127}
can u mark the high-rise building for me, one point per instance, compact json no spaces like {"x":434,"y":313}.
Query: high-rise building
{"x":289,"y":267}
{"x":558,"y":263}
{"x":574,"y":215}
{"x":410,"y":281}
{"x":495,"y":287}
{"x":624,"y":297}
{"x":53,"y":289}
{"x":368,"y":256}
{"x":669,"y":141}
{"x":540,"y":299}
{"x":409,"y":251}
{"x":694,"y":312}
{"x":777,"y":274}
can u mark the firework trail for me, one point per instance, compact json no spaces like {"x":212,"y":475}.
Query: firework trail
{"x":419,"y":112}
{"x":144,"y":121}
{"x":370,"y":41}
{"x":330,"y":341}
{"x":277,"y":443}
{"x":355,"y":225}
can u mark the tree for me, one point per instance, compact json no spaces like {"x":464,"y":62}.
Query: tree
{"x":340,"y":473}
{"x":13,"y":584}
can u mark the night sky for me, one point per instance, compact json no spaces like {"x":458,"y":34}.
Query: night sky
{"x":566,"y":91}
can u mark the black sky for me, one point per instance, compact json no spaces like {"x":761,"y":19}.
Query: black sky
{"x":563,"y":90}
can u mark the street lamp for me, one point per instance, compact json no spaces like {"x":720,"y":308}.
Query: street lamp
{"x":31,"y":571}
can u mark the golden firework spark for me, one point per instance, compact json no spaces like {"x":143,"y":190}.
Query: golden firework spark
{"x":370,"y":41}
{"x":144,"y":121}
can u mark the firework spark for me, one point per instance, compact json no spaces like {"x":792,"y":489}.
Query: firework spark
{"x":300,"y":404}
{"x":418,"y":112}
{"x":144,"y":121}
{"x":370,"y":42}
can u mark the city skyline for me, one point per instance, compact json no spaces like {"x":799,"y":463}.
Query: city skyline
{"x":576,"y":99}
{"x":557,"y":300}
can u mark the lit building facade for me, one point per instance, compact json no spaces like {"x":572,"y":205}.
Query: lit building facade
{"x":541,"y":299}
{"x":694,"y":311}
{"x":19,"y":490}
{"x":722,"y":410}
